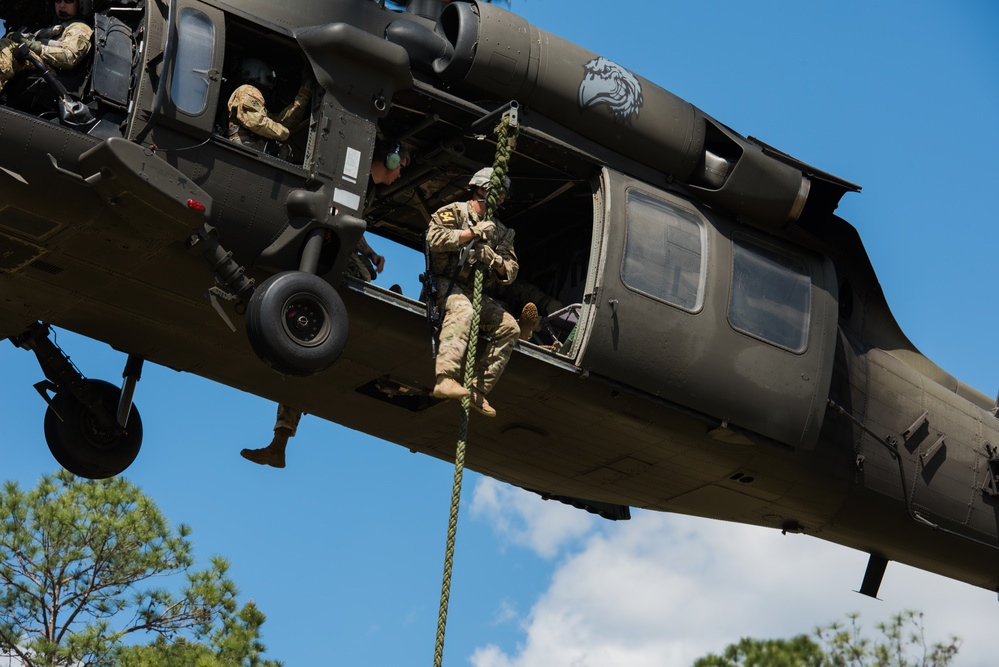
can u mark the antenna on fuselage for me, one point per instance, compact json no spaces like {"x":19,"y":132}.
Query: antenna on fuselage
{"x":873,"y":577}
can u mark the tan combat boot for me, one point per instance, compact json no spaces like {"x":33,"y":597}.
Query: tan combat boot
{"x":273,"y":454}
{"x":480,"y":403}
{"x":528,"y":320}
{"x":449,"y":388}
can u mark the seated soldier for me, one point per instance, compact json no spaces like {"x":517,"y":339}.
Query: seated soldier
{"x":250,"y":123}
{"x":530,"y":301}
{"x":60,"y":46}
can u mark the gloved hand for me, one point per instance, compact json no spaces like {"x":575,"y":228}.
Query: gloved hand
{"x":486,"y":255}
{"x":33,"y":46}
{"x":485,"y":230}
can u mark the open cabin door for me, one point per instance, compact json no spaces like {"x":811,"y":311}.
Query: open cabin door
{"x":692,"y":307}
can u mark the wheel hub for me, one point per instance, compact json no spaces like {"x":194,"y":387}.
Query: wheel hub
{"x":306,"y":321}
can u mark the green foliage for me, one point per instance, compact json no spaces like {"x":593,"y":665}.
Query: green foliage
{"x":235,"y":642}
{"x":78,"y":559}
{"x":797,"y":652}
{"x":902,"y":643}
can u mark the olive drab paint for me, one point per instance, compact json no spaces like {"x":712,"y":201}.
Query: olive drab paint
{"x":714,"y":342}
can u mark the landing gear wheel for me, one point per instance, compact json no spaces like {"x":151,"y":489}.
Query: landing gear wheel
{"x":81,"y":444}
{"x":296,"y":323}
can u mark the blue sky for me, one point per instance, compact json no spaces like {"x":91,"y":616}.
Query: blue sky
{"x":343,"y":550}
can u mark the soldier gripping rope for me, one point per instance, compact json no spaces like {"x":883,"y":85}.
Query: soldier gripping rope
{"x":60,"y":46}
{"x":458,"y":237}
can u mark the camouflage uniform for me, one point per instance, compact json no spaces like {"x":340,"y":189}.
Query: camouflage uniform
{"x":61,"y":47}
{"x":251,"y":125}
{"x":287,"y":417}
{"x":503,"y":330}
{"x":357,"y":267}
{"x":522,"y":292}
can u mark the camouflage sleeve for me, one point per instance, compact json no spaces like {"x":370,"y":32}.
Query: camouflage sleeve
{"x":504,"y":248}
{"x":69,"y":49}
{"x":293,"y":114}
{"x":251,"y":113}
{"x":445,"y":227}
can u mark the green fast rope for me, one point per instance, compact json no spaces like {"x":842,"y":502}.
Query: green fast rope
{"x":506,"y":140}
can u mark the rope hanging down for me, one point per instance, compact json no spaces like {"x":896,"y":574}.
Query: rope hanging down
{"x":506,"y":141}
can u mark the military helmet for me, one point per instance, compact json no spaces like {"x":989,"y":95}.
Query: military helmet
{"x":480,"y":179}
{"x":84,"y":8}
{"x":253,"y":70}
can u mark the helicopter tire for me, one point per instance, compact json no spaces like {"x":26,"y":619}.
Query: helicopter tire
{"x":81,"y":444}
{"x":296,"y":323}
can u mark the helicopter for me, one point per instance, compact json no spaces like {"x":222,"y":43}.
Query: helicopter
{"x":724,"y":348}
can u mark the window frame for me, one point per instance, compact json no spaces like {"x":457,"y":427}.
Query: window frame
{"x":185,"y":72}
{"x":741,"y":243}
{"x":683,"y":213}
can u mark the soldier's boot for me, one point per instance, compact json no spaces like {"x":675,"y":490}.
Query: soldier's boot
{"x":273,"y":454}
{"x":528,"y":320}
{"x":449,"y":388}
{"x":480,"y":403}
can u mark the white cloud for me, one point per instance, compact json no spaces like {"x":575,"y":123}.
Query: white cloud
{"x":663,"y":590}
{"x":522,"y":518}
{"x":505,"y":613}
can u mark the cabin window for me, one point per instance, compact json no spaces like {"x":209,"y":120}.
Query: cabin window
{"x":664,"y":251}
{"x":196,"y":47}
{"x":771,"y":295}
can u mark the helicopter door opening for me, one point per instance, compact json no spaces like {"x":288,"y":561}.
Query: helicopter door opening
{"x":554,"y":243}
{"x":276,"y":66}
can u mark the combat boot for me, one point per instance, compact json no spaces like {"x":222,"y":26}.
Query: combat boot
{"x":528,"y":320}
{"x":480,"y":403}
{"x":265,"y":457}
{"x":449,"y":388}
{"x":273,"y":454}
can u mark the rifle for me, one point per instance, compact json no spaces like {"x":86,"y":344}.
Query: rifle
{"x":429,"y":295}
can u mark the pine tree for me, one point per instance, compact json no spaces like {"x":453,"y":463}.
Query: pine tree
{"x":79,"y":564}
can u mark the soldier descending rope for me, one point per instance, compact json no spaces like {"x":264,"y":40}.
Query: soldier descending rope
{"x":457,"y":231}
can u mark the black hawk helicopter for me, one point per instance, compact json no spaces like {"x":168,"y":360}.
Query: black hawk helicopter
{"x":724,"y":348}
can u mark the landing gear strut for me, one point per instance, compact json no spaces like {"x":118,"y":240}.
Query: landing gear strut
{"x":91,"y":426}
{"x":295,"y":321}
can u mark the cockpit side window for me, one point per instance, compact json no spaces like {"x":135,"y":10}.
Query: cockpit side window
{"x":664,"y":253}
{"x":191,"y":85}
{"x":771,"y":295}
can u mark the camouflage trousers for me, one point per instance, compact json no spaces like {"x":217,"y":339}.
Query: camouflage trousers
{"x":9,"y":65}
{"x":499,"y":325}
{"x":357,"y":267}
{"x":287,"y":417}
